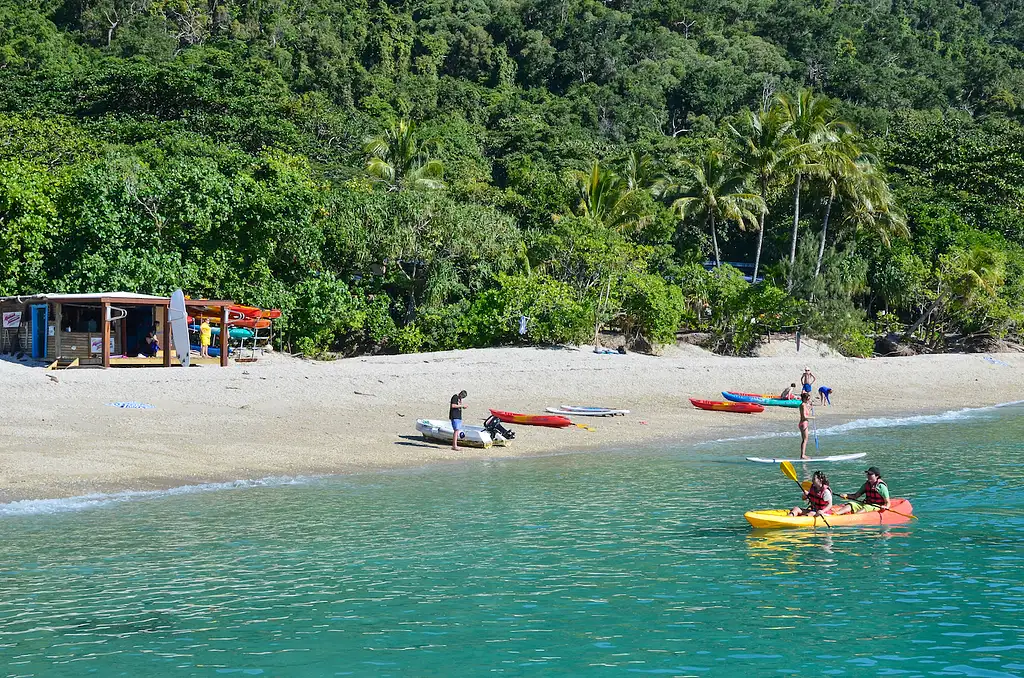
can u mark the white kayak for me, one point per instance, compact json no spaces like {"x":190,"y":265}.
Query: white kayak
{"x":834,"y":457}
{"x":579,"y":411}
{"x":470,"y":436}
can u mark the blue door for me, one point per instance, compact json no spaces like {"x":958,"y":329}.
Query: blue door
{"x":40,"y":320}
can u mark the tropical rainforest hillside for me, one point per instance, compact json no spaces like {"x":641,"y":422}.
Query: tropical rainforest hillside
{"x":403,"y":176}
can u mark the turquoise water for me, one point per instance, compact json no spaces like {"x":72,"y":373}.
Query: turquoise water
{"x":618,"y":563}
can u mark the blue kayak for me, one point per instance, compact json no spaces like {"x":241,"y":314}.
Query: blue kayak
{"x":760,"y":400}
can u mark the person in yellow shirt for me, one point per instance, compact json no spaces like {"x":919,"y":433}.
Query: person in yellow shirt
{"x":205,"y":333}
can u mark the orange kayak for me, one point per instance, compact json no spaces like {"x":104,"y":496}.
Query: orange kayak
{"x":722,"y":406}
{"x":551,"y":420}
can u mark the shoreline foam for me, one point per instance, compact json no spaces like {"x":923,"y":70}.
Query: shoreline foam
{"x":57,"y":505}
{"x":286,"y":417}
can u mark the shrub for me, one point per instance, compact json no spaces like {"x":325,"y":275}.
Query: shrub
{"x":554,"y":315}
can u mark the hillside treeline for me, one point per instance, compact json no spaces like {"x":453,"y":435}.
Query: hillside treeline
{"x":419,"y":175}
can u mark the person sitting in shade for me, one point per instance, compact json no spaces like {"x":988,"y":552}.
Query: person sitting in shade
{"x":875,"y":491}
{"x":151,"y":345}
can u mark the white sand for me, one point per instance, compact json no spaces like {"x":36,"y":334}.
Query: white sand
{"x":284,"y":416}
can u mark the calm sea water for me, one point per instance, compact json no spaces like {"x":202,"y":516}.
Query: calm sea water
{"x":617,"y":563}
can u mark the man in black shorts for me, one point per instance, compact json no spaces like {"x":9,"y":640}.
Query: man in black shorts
{"x":455,"y":415}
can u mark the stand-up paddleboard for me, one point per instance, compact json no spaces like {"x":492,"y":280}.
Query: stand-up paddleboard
{"x":177,"y":316}
{"x":586,"y":411}
{"x":834,"y":457}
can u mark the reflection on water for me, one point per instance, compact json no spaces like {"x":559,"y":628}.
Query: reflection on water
{"x":599,"y":564}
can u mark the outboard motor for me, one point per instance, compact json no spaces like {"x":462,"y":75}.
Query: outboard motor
{"x":493,"y":426}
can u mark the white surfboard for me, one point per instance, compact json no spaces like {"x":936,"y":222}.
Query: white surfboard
{"x":834,"y":457}
{"x":179,"y":327}
{"x":586,"y":412}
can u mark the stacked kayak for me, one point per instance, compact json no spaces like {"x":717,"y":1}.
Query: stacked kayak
{"x":233,"y":332}
{"x":470,"y":436}
{"x":780,"y":518}
{"x":550,"y":420}
{"x":581,"y":411}
{"x":719,"y":406}
{"x":758,"y":399}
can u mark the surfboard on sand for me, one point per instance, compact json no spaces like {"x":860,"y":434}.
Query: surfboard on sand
{"x":834,"y":457}
{"x":179,"y":327}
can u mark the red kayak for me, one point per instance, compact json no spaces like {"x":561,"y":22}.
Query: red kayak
{"x":552,"y":420}
{"x":721,"y":406}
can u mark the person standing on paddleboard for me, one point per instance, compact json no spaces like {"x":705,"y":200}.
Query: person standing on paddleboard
{"x":875,"y":491}
{"x":455,"y":416}
{"x":818,"y":496}
{"x":805,"y":421}
{"x":807,"y":379}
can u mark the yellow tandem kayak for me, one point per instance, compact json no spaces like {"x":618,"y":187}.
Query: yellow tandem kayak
{"x":780,"y":518}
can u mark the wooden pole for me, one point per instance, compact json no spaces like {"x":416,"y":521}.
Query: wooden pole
{"x":167,"y":335}
{"x":57,"y":321}
{"x":224,"y":331}
{"x":105,"y":313}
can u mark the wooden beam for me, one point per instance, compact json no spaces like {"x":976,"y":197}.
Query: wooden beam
{"x":57,"y":321}
{"x":224,"y":332}
{"x":167,"y":336}
{"x":105,"y":315}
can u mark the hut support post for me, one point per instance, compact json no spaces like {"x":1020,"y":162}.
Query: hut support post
{"x":224,"y":331}
{"x":57,"y":322}
{"x":167,"y":336}
{"x":105,"y":351}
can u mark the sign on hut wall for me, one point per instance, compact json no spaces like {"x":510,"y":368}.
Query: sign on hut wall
{"x":12,"y":319}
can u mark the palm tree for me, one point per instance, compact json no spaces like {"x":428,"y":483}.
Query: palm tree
{"x":715,"y":193}
{"x":606,"y":197}
{"x":870,"y":205}
{"x":400,"y":160}
{"x":964,"y":275}
{"x":765,"y":151}
{"x":812,"y":123}
{"x":841,"y":160}
{"x":642,"y":174}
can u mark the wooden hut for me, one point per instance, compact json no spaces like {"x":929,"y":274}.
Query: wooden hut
{"x":105,"y":329}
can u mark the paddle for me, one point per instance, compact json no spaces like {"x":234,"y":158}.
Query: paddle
{"x":814,"y":427}
{"x":589,"y":428}
{"x":878,"y":506}
{"x":790,"y":472}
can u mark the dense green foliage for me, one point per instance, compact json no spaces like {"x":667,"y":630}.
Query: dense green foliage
{"x":420,"y":174}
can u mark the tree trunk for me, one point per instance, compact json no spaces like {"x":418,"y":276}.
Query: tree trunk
{"x":824,"y":230}
{"x":796,"y":226}
{"x":760,"y":230}
{"x":924,"y":316}
{"x":714,"y":240}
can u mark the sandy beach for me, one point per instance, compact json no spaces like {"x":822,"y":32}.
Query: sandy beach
{"x":285,"y":416}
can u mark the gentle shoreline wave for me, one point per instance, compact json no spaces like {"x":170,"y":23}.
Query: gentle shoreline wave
{"x":965,"y":413}
{"x":30,"y":507}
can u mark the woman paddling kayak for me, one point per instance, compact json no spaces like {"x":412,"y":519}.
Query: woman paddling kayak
{"x":818,"y":496}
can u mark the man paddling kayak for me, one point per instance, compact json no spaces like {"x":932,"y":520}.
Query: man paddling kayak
{"x":875,"y":491}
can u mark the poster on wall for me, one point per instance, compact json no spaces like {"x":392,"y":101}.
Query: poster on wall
{"x":95,"y":344}
{"x":12,"y":319}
